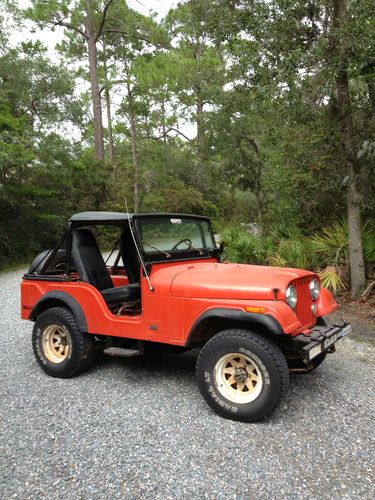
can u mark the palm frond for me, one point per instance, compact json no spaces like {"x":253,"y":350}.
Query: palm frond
{"x":330,"y":278}
{"x":294,"y":253}
{"x":332,"y":243}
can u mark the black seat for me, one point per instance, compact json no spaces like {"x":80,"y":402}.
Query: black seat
{"x":92,"y":269}
{"x":129,"y":256}
{"x":121,"y":293}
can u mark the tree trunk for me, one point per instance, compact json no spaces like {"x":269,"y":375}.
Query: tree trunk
{"x":199,"y":107}
{"x":258,"y":199}
{"x":357,"y":269}
{"x":258,"y":192}
{"x":200,"y":128}
{"x":111,"y":150}
{"x":107,"y":98}
{"x":95,"y":91}
{"x":133,"y":139}
{"x":164,"y":130}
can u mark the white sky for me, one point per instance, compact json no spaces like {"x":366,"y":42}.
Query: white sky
{"x":51,"y":38}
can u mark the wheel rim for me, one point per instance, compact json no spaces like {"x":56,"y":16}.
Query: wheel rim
{"x":238,"y":378}
{"x":56,"y":343}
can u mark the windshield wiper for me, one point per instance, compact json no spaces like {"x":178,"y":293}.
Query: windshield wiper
{"x":157,"y":249}
{"x":193,"y":248}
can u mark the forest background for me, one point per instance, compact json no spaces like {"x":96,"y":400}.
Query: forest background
{"x":259,"y":114}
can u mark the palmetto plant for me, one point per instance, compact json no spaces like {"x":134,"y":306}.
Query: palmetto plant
{"x":332,"y":243}
{"x":246,"y":248}
{"x":280,"y":232}
{"x":368,"y":236}
{"x":294,"y":253}
{"x":332,"y":247}
{"x":285,"y":247}
{"x":330,"y":278}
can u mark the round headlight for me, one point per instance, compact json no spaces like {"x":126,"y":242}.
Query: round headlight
{"x":314,"y":289}
{"x":291,"y":296}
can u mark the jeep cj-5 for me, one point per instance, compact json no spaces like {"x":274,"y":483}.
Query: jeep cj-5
{"x":167,"y":287}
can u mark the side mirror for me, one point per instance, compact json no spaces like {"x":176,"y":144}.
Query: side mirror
{"x":221,"y":247}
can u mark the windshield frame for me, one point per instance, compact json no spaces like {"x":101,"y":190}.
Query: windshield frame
{"x":180,"y":254}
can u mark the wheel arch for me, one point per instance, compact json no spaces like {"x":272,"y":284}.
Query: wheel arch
{"x":59,"y":299}
{"x":214,"y":320}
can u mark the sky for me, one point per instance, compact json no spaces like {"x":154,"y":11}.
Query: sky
{"x":50,"y":38}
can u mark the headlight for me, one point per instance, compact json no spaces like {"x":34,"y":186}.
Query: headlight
{"x":291,"y":296}
{"x":314,"y":308}
{"x":314,"y":289}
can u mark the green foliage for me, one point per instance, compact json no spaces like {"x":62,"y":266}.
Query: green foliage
{"x":330,"y":278}
{"x":294,"y":253}
{"x":325,"y":252}
{"x":368,"y":237}
{"x":268,"y":249}
{"x":244,"y":248}
{"x":332,"y":243}
{"x":255,"y":81}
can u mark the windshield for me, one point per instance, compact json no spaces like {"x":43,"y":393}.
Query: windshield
{"x":173,"y":235}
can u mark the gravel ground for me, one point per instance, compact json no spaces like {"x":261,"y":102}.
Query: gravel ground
{"x":131,"y":428}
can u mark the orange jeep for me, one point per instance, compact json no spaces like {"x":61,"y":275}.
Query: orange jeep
{"x":166,"y":286}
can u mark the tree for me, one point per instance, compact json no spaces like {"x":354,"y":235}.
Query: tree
{"x":36,"y":165}
{"x":88,"y":21}
{"x":304,"y":47}
{"x":340,"y":47}
{"x":201,"y":72}
{"x":125,"y":45}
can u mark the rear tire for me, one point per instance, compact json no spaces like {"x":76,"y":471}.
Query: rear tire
{"x":242,"y":375}
{"x":60,"y":348}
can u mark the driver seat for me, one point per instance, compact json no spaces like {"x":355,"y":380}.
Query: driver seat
{"x":91,"y":267}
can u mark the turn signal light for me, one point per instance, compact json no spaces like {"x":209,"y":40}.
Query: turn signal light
{"x":259,"y":310}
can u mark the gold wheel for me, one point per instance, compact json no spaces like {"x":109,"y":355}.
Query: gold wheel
{"x":238,"y":378}
{"x":56,"y":342}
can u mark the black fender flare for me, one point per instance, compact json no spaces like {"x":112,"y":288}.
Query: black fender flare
{"x":264,"y":320}
{"x":56,"y":299}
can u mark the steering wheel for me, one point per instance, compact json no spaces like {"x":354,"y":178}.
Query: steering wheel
{"x":185,"y":240}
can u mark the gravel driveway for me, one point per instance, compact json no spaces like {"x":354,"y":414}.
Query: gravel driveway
{"x":131,"y":428}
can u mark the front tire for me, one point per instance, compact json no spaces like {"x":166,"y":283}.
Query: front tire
{"x":242,"y":375}
{"x":60,"y":348}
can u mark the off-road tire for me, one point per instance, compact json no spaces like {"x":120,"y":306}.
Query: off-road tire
{"x":271,"y":367}
{"x":57,"y":263}
{"x":82,"y":349}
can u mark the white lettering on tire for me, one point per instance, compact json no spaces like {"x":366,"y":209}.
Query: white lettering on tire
{"x":259,"y":362}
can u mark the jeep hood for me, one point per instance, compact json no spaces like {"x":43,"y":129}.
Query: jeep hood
{"x":232,"y":281}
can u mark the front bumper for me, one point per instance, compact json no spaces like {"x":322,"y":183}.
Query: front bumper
{"x":322,"y":339}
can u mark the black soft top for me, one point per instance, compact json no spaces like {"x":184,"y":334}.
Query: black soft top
{"x":119,"y":218}
{"x":100,"y":218}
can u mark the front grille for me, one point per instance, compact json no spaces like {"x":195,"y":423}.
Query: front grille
{"x":304,"y":301}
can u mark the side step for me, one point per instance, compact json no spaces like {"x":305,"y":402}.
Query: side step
{"x":124,"y":352}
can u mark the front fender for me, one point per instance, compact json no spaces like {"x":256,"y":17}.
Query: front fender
{"x":265,"y":321}
{"x":327,"y":303}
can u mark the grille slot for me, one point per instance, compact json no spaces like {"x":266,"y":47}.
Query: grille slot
{"x":304,"y":301}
